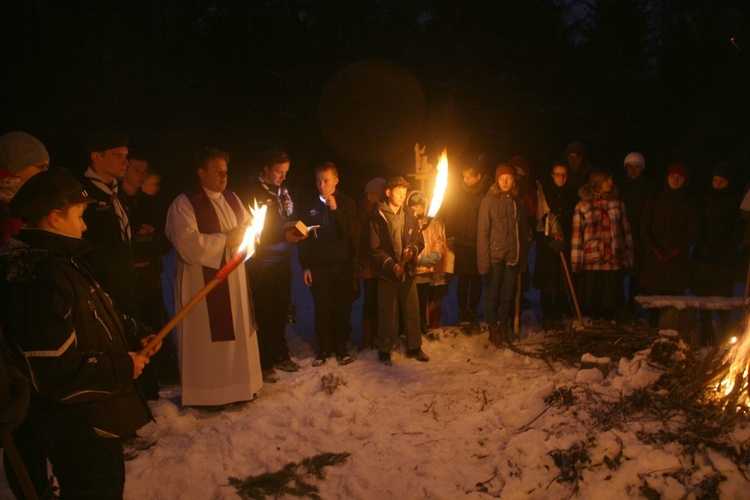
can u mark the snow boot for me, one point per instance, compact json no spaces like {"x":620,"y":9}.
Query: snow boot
{"x":463,"y":321}
{"x":474,"y":328}
{"x":496,"y":335}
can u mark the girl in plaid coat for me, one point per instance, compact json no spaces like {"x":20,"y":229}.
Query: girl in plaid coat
{"x":601,"y":246}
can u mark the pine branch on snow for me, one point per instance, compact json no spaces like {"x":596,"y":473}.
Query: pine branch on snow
{"x":292,"y":479}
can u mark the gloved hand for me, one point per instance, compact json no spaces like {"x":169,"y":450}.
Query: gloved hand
{"x":556,"y":245}
{"x":429,"y":259}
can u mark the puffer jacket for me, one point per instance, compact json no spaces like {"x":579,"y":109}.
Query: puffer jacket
{"x":502,"y":231}
{"x":68,"y":335}
{"x":383,"y":256}
{"x":601,"y":239}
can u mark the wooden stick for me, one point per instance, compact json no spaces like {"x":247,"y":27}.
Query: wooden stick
{"x":17,"y":463}
{"x":178,"y":317}
{"x":572,"y":289}
{"x":519,"y":294}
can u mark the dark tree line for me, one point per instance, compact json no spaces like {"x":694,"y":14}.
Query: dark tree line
{"x":360,"y":81}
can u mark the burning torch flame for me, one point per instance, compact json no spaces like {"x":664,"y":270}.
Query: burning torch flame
{"x":441,"y":183}
{"x":252,"y":234}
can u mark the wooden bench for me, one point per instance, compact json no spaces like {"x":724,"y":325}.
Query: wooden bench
{"x":677,"y":312}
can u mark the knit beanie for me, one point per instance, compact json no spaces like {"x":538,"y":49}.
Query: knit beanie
{"x":415,"y":198}
{"x":635,"y":158}
{"x":723,"y":169}
{"x":504,"y":169}
{"x":19,"y":150}
{"x":679,"y":169}
{"x":521,"y":165}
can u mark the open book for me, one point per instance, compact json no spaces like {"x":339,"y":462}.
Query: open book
{"x":298,"y":228}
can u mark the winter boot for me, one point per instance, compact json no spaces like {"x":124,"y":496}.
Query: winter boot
{"x":463,"y":322}
{"x":474,"y":328}
{"x":496,"y":335}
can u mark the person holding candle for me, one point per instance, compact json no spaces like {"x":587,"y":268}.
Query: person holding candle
{"x":217,"y":344}
{"x":78,"y":349}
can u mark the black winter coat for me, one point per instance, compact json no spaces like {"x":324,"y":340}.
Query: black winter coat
{"x":669,"y":225}
{"x":110,"y":258}
{"x":716,"y":249}
{"x":67,"y":333}
{"x":548,"y":272}
{"x":332,"y":242}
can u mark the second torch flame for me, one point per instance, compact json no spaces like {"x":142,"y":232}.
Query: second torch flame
{"x":441,"y":184}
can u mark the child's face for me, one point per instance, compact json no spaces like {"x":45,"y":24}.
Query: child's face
{"x":396,"y":196}
{"x":506,"y":182}
{"x":71,"y":223}
{"x":470,"y":177}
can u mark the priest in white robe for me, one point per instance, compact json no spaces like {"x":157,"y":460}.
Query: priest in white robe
{"x":216,"y":342}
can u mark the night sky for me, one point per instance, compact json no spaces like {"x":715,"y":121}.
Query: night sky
{"x":358,"y":83}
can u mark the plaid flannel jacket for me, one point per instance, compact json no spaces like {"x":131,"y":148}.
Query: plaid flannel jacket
{"x":601,"y":239}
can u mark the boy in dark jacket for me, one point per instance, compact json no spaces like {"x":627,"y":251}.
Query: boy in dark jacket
{"x":395,"y":241}
{"x":326,"y":260}
{"x":79,"y":351}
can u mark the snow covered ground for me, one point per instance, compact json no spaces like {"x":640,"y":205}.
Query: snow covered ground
{"x":466,"y":423}
{"x":472,"y":422}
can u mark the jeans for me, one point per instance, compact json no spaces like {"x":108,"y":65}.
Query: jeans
{"x":499,"y":293}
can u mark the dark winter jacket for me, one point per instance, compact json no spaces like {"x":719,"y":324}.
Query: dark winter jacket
{"x":385,"y":251}
{"x":144,"y":209}
{"x":716,"y":253}
{"x":67,"y":333}
{"x":669,"y":226}
{"x":548,"y":272}
{"x":111,"y":260}
{"x":461,"y":218}
{"x":273,"y":243}
{"x":502,"y":231}
{"x":331,"y":243}
{"x":634,"y":193}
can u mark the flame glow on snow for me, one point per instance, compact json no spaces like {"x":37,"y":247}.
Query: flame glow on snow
{"x":252,"y":234}
{"x":740,"y":355}
{"x":441,"y":183}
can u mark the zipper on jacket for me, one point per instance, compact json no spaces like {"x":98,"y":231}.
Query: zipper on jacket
{"x":99,"y":319}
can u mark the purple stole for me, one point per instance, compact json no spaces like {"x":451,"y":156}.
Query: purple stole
{"x":218,"y":301}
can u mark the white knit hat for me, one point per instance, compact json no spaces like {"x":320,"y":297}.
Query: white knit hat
{"x":635,"y":157}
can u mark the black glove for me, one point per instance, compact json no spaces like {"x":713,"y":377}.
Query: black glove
{"x":556,"y":245}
